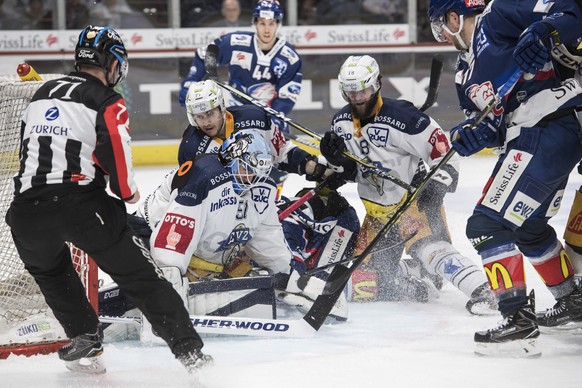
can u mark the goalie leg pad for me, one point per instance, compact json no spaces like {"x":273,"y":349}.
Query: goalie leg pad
{"x":252,"y":297}
{"x":304,"y":297}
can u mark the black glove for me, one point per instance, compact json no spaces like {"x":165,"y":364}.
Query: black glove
{"x":318,"y":172}
{"x":444,"y":181}
{"x":332,"y":148}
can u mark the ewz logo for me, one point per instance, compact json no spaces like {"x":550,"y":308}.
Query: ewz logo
{"x":523,"y":209}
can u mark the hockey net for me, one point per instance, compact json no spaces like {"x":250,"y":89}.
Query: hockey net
{"x":27,"y":325}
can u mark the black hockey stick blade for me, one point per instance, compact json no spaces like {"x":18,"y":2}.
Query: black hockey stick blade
{"x":210,"y":62}
{"x":341,"y":274}
{"x":436,"y":69}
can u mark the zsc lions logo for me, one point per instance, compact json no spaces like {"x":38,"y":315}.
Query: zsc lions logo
{"x":52,"y":114}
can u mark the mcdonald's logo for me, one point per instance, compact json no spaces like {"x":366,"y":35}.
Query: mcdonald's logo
{"x":565,"y":264}
{"x":365,"y":291}
{"x":497,"y":271}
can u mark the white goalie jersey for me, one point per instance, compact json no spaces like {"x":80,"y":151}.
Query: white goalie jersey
{"x":394,"y":139}
{"x":196,"y":212}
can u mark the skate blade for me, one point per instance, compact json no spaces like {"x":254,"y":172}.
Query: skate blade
{"x":483,"y":309}
{"x":511,"y":349}
{"x":570,"y":328}
{"x":89,"y":365}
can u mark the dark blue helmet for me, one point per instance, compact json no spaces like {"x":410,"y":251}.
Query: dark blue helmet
{"x":438,"y":9}
{"x":266,"y":9}
{"x":100,"y":46}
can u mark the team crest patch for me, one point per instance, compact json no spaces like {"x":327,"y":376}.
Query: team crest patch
{"x":175,"y":233}
{"x":260,"y":196}
{"x":378,"y":136}
{"x":481,"y":94}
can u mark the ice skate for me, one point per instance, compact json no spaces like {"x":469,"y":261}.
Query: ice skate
{"x":566,"y":313}
{"x":482,"y":302}
{"x":83,"y":353}
{"x":515,"y":336}
{"x":189,"y":354}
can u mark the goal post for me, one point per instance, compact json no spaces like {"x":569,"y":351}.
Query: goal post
{"x":27,"y":325}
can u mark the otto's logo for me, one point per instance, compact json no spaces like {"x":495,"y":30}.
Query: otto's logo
{"x":52,"y":114}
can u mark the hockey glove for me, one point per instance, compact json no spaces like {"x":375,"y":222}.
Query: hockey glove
{"x":318,"y":171}
{"x":467,"y":140}
{"x":532,"y":51}
{"x":332,"y":148}
{"x":282,"y":125}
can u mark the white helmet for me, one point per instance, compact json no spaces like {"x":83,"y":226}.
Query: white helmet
{"x":203,"y":96}
{"x":245,"y":154}
{"x":357,"y":73}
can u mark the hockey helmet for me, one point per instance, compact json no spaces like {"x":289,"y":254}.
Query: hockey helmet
{"x":267,"y":9}
{"x":100,"y":46}
{"x":359,"y":73}
{"x":438,"y":9}
{"x":203,"y":96}
{"x":245,"y":154}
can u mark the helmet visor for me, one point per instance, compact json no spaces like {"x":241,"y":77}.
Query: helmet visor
{"x":438,"y":26}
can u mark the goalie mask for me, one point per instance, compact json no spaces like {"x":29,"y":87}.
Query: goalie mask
{"x":437,"y":15}
{"x":202,"y":101}
{"x":245,"y":154}
{"x":100,"y":47}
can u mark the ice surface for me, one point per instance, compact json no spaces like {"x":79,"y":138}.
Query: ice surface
{"x":381,"y":345}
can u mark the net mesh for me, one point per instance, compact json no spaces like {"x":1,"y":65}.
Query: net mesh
{"x":20,"y":297}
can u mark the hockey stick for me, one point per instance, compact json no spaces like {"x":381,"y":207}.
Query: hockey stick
{"x":300,"y":201}
{"x":341,"y":274}
{"x":212,"y":73}
{"x":258,"y":327}
{"x":344,"y":261}
{"x":436,"y":69}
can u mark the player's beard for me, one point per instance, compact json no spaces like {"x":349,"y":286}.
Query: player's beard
{"x":365,"y":110}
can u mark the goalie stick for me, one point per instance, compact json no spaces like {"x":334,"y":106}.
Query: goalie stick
{"x":257,"y":327}
{"x":212,"y":73}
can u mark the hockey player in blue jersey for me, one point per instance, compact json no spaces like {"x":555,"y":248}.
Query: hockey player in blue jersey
{"x":260,"y":64}
{"x":539,"y":135}
{"x":211,"y":122}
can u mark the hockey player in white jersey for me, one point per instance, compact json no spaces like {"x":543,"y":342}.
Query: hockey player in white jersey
{"x":260,"y":64}
{"x":395,"y":136}
{"x":221,"y":211}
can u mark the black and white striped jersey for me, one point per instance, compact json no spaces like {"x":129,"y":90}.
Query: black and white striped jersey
{"x":75,"y":132}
